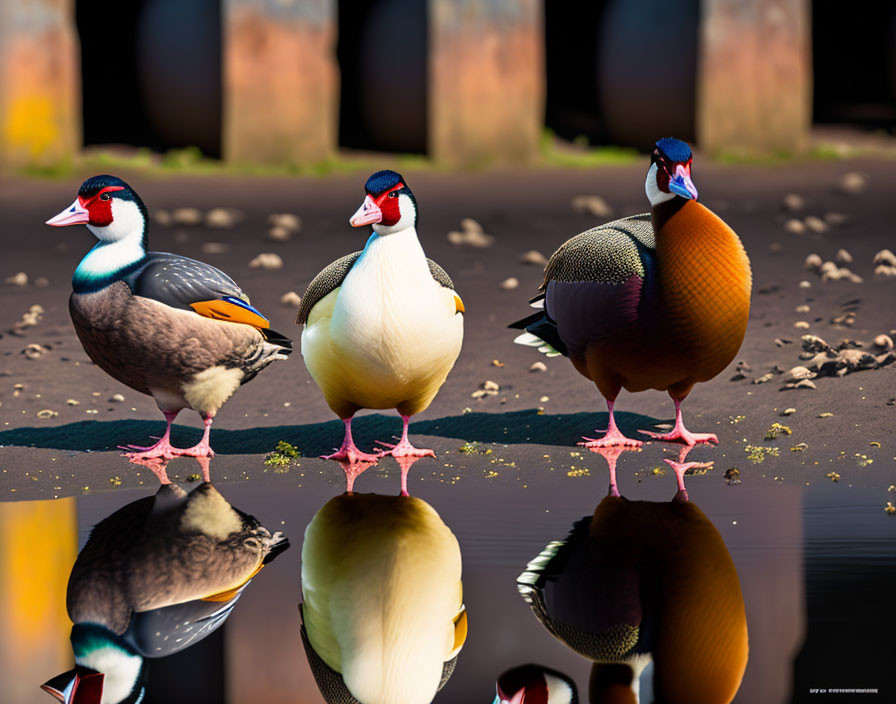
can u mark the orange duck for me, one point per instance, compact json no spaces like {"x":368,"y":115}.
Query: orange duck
{"x":652,"y":301}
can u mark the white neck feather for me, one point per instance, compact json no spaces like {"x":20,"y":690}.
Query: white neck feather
{"x":654,"y":194}
{"x":120,"y":669}
{"x":108,"y":257}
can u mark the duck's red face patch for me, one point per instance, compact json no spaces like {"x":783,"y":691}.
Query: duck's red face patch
{"x":388,"y":204}
{"x":99,"y":205}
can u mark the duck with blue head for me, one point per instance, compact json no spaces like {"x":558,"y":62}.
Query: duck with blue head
{"x":174,"y":328}
{"x":383,"y":326}
{"x":652,"y":301}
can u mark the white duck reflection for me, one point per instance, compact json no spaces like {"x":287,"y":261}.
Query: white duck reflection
{"x":641,"y":582}
{"x":156,"y":576}
{"x":383,"y":614}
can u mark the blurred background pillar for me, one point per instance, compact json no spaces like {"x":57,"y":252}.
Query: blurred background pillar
{"x":754,"y":82}
{"x":280,"y":80}
{"x":486,"y":68}
{"x":39,"y":82}
{"x":38,"y":546}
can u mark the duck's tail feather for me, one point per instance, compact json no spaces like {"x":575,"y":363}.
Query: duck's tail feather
{"x":541,"y":332}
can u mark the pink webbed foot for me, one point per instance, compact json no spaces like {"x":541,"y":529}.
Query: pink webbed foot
{"x":683,"y":435}
{"x":613,"y":438}
{"x":403,"y":449}
{"x":350,"y":453}
{"x":680,"y":467}
{"x":162,"y":450}
{"x":202,"y":449}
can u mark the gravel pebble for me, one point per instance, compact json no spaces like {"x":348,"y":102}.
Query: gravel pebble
{"x":533,"y":256}
{"x":20,"y":279}
{"x":266,"y":260}
{"x":215,"y":247}
{"x":795,"y":227}
{"x":509,"y":284}
{"x":116,"y":398}
{"x":291,"y":299}
{"x":186,"y":216}
{"x":538,"y":367}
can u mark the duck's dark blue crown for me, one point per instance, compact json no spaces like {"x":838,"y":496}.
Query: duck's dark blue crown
{"x":95,"y":184}
{"x":382,"y":181}
{"x":674,"y":149}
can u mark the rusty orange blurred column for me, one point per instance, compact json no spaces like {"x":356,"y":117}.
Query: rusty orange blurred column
{"x":38,"y":546}
{"x":754,"y":82}
{"x":280,"y":80}
{"x":40,"y":104}
{"x":487,"y":85}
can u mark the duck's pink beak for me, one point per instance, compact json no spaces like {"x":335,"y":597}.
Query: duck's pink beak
{"x":368,"y":214}
{"x":75,"y":214}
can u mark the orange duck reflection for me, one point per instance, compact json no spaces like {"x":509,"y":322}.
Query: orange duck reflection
{"x":640,"y":583}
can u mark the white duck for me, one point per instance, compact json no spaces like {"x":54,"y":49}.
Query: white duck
{"x":383,"y":327}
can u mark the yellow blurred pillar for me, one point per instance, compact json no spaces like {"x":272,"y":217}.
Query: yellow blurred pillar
{"x":38,"y":546}
{"x":39,"y":82}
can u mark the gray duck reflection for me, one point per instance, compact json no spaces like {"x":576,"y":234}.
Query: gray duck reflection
{"x":383,"y":617}
{"x":155,"y":577}
{"x":642,"y":582}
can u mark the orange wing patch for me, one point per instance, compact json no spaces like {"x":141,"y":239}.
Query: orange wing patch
{"x":232,"y":313}
{"x":228,"y":594}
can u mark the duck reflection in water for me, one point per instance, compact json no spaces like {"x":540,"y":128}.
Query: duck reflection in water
{"x":383,"y":617}
{"x":155,"y":577}
{"x":637,"y":583}
{"x":354,"y":469}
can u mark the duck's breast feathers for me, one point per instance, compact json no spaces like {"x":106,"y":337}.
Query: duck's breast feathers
{"x":608,"y":254}
{"x":331,"y":278}
{"x":188,"y":284}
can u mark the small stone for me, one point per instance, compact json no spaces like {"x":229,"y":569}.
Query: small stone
{"x":884,"y":270}
{"x":509,"y":284}
{"x":834,"y":219}
{"x":34,"y":351}
{"x":792,"y":201}
{"x":764,"y":378}
{"x":266,"y":260}
{"x":813,"y":262}
{"x":222,"y":217}
{"x":538,"y":367}
{"x":805,"y":384}
{"x":853,"y":182}
{"x":826,"y":414}
{"x":116,"y":398}
{"x":41,"y":282}
{"x":490,"y":386}
{"x":288,"y":221}
{"x":885,"y":256}
{"x":470,"y":225}
{"x":47,"y":413}
{"x":72,"y":402}
{"x":291,"y":299}
{"x":471,"y":233}
{"x":815,"y":224}
{"x":798,"y":373}
{"x":801,"y":325}
{"x":163,"y":217}
{"x":831,"y":275}
{"x":890,"y":508}
{"x":215,"y":247}
{"x":795,"y":227}
{"x":884,"y":341}
{"x":788,"y":412}
{"x":534,"y":257}
{"x":805,"y":284}
{"x":779,"y":342}
{"x":279,"y":234}
{"x":595,"y":205}
{"x":802,"y":309}
{"x":20,"y":279}
{"x":497,"y":363}
{"x":186,"y":216}
{"x":544,"y":399}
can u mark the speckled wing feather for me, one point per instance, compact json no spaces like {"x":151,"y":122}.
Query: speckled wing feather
{"x":333,"y":275}
{"x":179,"y":281}
{"x":608,"y":254}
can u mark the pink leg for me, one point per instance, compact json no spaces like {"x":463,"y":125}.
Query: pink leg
{"x":406,"y":462}
{"x":353,"y":470}
{"x":204,"y":462}
{"x":613,"y":437}
{"x":611,"y":455}
{"x":202,"y":448}
{"x":680,"y":467}
{"x":680,"y":433}
{"x":161,"y":450}
{"x":404,"y":447}
{"x":349,"y":451}
{"x":158,"y":466}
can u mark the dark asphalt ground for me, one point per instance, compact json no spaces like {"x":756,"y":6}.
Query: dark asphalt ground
{"x":72,"y":452}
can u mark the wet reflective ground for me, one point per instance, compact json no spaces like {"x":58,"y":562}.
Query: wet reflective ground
{"x":817,"y":568}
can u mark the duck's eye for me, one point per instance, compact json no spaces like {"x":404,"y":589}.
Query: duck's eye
{"x":105,"y":196}
{"x":393,"y":194}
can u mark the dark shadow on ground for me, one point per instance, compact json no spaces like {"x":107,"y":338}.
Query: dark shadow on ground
{"x":318,"y":438}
